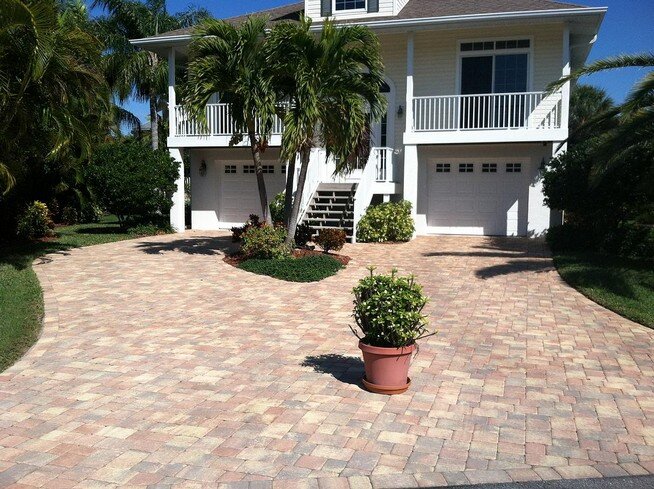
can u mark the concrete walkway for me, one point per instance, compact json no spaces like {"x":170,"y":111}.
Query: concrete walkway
{"x":160,"y":364}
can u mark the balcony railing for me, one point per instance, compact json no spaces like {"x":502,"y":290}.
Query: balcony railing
{"x":219,"y":122}
{"x":501,"y":111}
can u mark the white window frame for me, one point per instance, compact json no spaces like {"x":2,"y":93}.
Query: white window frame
{"x":494,"y":52}
{"x":349,"y":10}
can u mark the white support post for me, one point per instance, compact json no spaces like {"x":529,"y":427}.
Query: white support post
{"x":565,"y":90}
{"x":172,"y":97}
{"x":410,"y":190}
{"x":177,"y":212}
{"x":409,"y":82}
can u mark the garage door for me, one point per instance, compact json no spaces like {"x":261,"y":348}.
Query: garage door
{"x":239,"y":194}
{"x":476,"y":198}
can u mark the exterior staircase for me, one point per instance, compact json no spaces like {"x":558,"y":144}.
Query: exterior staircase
{"x":332,"y":207}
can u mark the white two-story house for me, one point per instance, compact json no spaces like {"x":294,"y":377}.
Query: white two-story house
{"x":469,"y":127}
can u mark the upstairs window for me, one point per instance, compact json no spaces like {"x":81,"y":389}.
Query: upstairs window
{"x":349,"y":5}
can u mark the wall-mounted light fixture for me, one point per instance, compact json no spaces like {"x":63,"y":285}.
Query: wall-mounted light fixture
{"x":400,"y":111}
{"x":203,"y":168}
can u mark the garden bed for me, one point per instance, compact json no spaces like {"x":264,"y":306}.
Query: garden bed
{"x":303,"y":266}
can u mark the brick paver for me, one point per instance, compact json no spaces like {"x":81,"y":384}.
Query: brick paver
{"x":160,"y":364}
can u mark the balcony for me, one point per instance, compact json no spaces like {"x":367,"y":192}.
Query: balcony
{"x":488,"y":118}
{"x":218,"y":130}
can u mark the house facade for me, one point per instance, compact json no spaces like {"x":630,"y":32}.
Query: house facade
{"x":468,"y":132}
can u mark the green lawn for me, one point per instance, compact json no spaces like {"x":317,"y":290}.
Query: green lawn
{"x":21,"y":301}
{"x":623,"y":285}
{"x":305,"y":269}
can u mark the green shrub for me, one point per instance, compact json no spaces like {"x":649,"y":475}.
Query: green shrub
{"x":133,"y":181}
{"x":390,"y":221}
{"x":91,"y":213}
{"x":306,"y":269}
{"x":388,"y":310}
{"x":252,"y":222}
{"x":331,"y":239}
{"x":69,"y":215}
{"x":277,"y":208}
{"x":303,"y":234}
{"x":265,"y":242}
{"x":35,"y":221}
{"x":150,"y":230}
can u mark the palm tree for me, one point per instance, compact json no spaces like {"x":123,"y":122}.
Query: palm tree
{"x":633,"y":131}
{"x":231,"y":61}
{"x":586,"y":103}
{"x":52,"y":91}
{"x":131,"y":71}
{"x":333,"y":81}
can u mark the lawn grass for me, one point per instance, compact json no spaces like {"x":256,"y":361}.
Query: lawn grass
{"x":305,"y":269}
{"x":21,"y":299}
{"x":623,"y":285}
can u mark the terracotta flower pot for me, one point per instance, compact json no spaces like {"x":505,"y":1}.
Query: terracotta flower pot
{"x":387,"y":369}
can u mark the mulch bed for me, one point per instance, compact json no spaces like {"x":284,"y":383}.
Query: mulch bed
{"x":236,"y":258}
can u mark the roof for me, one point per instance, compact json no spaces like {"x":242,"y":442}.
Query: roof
{"x":414,"y":9}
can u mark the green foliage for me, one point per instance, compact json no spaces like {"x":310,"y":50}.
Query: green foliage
{"x":390,"y":221}
{"x":91,"y":213}
{"x":303,"y":234}
{"x":388,"y":310}
{"x":331,"y":239}
{"x":265,"y":242}
{"x":305,"y":269}
{"x":69,"y":215}
{"x":627,"y":239}
{"x":252,"y":222}
{"x":277,"y":208}
{"x":133,"y":181}
{"x":149,"y":230}
{"x":35,"y":222}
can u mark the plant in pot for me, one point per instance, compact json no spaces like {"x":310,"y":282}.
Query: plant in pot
{"x":388,"y":311}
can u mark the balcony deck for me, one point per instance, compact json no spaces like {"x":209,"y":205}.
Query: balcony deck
{"x":487,"y":118}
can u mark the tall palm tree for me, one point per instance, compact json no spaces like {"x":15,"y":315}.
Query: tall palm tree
{"x":51,"y":85}
{"x":134,"y":72}
{"x":634,"y":131}
{"x":333,"y":81}
{"x":231,"y":61}
{"x":586,"y":103}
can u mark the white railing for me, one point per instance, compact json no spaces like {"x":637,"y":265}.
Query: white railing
{"x":219,"y":122}
{"x":314,"y":177}
{"x":530,"y":110}
{"x":365,"y":190}
{"x":383,"y":158}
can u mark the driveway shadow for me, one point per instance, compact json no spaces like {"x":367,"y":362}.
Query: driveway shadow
{"x":342,"y":368}
{"x":515,"y":266}
{"x":192,"y":246}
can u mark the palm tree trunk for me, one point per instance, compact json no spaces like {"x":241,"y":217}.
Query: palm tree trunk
{"x":305,"y":155}
{"x":261,"y":183}
{"x":288,"y":196}
{"x":154,"y":122}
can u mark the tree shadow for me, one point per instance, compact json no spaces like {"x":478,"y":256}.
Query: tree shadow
{"x":344,"y":369}
{"x":480,"y":254}
{"x":515,"y":266}
{"x":191,"y":246}
{"x":500,"y":247}
{"x":101,"y":230}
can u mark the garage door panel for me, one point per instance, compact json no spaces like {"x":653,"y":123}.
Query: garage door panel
{"x":473,"y":202}
{"x":239,"y":193}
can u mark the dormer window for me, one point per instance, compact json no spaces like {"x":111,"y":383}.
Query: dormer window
{"x":340,"y":5}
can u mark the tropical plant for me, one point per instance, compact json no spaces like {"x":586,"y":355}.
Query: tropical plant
{"x":253,"y":222}
{"x":332,"y":81}
{"x":133,"y":181}
{"x":331,"y":239}
{"x":390,"y":221}
{"x":231,"y":61}
{"x":130,"y":70}
{"x":265,"y":242}
{"x":52,"y":93}
{"x":388,"y":310}
{"x":586,"y":104}
{"x":35,"y":222}
{"x":634,"y":131}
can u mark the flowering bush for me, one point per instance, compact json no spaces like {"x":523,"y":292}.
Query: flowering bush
{"x":35,"y":222}
{"x":265,"y":242}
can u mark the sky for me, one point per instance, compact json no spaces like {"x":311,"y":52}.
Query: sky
{"x":627,"y":28}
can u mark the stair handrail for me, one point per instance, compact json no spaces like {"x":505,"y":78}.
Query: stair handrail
{"x":364,"y":191}
{"x":312,"y":182}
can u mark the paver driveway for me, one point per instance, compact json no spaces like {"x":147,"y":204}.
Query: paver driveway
{"x":161,"y":364}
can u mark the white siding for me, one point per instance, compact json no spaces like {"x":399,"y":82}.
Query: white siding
{"x":386,"y":8}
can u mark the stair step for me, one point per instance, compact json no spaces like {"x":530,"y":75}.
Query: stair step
{"x":342,"y":187}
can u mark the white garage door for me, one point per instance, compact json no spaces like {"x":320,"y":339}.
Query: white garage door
{"x":476,"y":198}
{"x":239,"y":194}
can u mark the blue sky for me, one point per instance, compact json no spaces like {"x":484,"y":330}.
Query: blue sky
{"x":627,"y":28}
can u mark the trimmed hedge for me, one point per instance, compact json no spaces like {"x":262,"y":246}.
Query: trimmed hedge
{"x":305,"y":269}
{"x":390,"y":221}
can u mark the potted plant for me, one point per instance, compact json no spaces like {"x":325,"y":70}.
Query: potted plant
{"x":388,"y":311}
